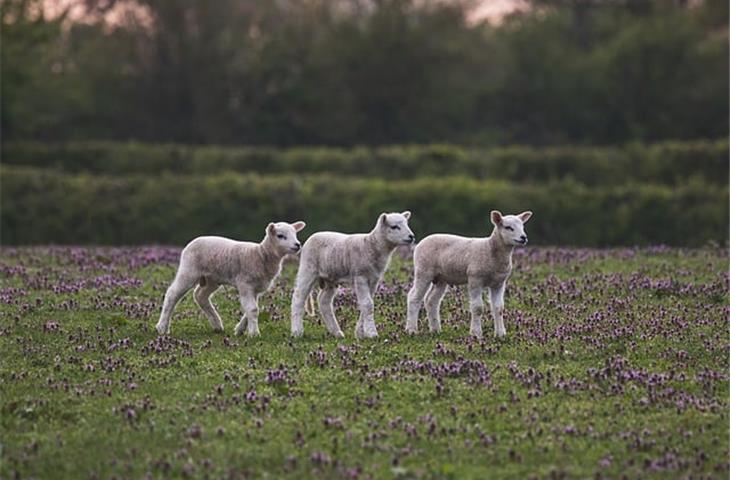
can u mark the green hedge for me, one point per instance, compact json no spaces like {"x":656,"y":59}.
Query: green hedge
{"x":40,"y":206}
{"x":668,"y":163}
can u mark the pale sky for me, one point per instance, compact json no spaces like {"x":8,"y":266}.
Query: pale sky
{"x":496,"y":9}
{"x":492,"y":9}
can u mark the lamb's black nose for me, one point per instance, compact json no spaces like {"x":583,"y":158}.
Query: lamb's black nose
{"x":411,"y":238}
{"x":523,"y":237}
{"x":297,"y":246}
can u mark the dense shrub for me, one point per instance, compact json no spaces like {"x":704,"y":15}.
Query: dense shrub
{"x":41,"y":206}
{"x":667,"y":163}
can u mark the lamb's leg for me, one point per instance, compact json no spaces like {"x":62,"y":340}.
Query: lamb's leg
{"x":310,"y":307}
{"x":241,"y":325}
{"x":365,"y":327}
{"x":250,"y":307}
{"x":496,"y":300}
{"x":175,"y":292}
{"x":202,"y":296}
{"x":305,"y":282}
{"x":327,"y":310}
{"x":476,"y":304}
{"x":433,"y":304}
{"x":415,"y":301}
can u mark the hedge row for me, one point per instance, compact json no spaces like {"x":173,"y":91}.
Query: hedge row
{"x":670,"y":163}
{"x":40,"y":206}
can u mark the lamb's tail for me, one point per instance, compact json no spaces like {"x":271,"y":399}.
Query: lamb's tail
{"x":310,"y":307}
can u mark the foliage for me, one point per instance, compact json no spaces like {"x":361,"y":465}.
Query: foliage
{"x":30,"y":101}
{"x":665,"y":163}
{"x":346,"y":72}
{"x":40,"y":206}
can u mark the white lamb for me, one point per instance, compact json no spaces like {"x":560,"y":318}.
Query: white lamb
{"x":331,"y":258}
{"x":442,"y":260}
{"x":251,"y":267}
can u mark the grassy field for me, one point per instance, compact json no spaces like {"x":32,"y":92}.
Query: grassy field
{"x":616,"y":363}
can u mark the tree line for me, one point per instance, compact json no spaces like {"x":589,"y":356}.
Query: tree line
{"x":365,"y":72}
{"x":78,"y":208}
{"x":666,"y":163}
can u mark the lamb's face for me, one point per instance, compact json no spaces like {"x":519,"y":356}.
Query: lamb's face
{"x":284,"y":235}
{"x":511,"y":228}
{"x":396,"y":229}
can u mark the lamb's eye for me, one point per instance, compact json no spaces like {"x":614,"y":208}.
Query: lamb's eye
{"x":509,"y":228}
{"x":394,"y":227}
{"x":279,"y":235}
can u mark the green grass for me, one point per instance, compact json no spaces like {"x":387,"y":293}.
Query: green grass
{"x":616,"y":363}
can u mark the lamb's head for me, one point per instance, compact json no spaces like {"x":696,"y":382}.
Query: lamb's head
{"x":511,"y":228}
{"x":284,"y":236}
{"x":394,"y":227}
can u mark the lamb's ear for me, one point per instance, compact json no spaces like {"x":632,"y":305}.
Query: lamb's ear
{"x":496,"y":217}
{"x":298,"y":226}
{"x":406,"y":214}
{"x":270,"y":229}
{"x":383,"y":220}
{"x":525,"y":216}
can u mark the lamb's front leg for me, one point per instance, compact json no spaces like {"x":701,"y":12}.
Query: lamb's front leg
{"x":365,"y":327}
{"x":496,"y":301}
{"x":250,"y":307}
{"x":476,"y":304}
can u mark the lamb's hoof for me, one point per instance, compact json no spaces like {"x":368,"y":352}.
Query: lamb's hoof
{"x":238,"y":330}
{"x":162,"y":330}
{"x":435,"y":329}
{"x":254,"y":333}
{"x":361,"y":334}
{"x":297,"y":333}
{"x":476,"y":334}
{"x":370,"y":334}
{"x":339,"y":334}
{"x":500,"y":334}
{"x":412,"y":330}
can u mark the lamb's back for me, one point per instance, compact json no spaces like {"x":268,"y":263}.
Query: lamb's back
{"x":334,"y":255}
{"x":444,"y":255}
{"x":218,"y":257}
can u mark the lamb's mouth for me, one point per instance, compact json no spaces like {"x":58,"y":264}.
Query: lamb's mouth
{"x":521,"y":242}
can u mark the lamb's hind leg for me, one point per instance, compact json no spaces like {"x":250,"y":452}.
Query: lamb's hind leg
{"x":433,"y":304}
{"x":415,"y":301}
{"x":250,"y":307}
{"x":310,"y":307}
{"x":202,"y":294}
{"x":179,"y":287}
{"x":476,"y":304}
{"x":327,"y":310}
{"x":496,"y":301}
{"x":304,"y":284}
